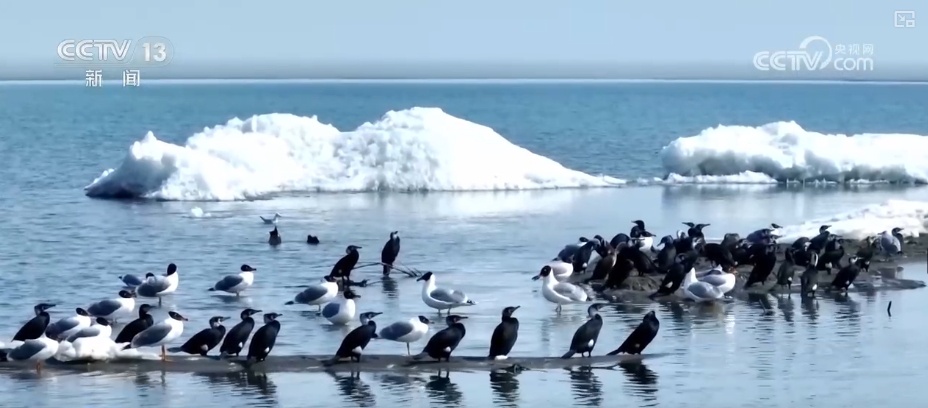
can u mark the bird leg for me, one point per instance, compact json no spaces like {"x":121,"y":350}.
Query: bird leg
{"x":408,"y":353}
{"x":558,"y":310}
{"x":38,"y":367}
{"x":164,"y":355}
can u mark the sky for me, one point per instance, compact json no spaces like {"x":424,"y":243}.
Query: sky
{"x":379,"y":39}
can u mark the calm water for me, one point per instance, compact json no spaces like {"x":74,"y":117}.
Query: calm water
{"x":57,"y":245}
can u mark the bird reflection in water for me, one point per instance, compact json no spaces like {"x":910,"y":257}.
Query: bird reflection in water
{"x":401,"y":387}
{"x":355,"y":391}
{"x":505,"y":387}
{"x":390,"y":288}
{"x":787,"y":306}
{"x":762,"y":300}
{"x":442,"y":391}
{"x":643,"y":382}
{"x":810,"y":309}
{"x":144,"y":381}
{"x":255,"y":386}
{"x":586,"y":387}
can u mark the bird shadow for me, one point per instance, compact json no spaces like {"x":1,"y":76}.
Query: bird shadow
{"x":233,"y":300}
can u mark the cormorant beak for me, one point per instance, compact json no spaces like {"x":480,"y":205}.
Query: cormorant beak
{"x":514,"y":308}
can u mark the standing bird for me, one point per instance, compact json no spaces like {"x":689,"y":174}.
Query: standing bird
{"x":131,"y":281}
{"x":160,"y":334}
{"x":674,"y":277}
{"x":204,"y":341}
{"x":785,"y":273}
{"x":505,"y":335}
{"x":159,"y":286}
{"x":763,"y":266}
{"x":889,"y":245}
{"x":38,"y":350}
{"x":264,"y":339}
{"x":817,"y":243}
{"x":603,"y":265}
{"x":238,"y":334}
{"x":586,"y":335}
{"x":865,"y":250}
{"x":641,"y":337}
{"x":317,"y":294}
{"x":100,"y":327}
{"x":136,"y":326}
{"x":718,"y":254}
{"x":846,"y":276}
{"x":273,"y":238}
{"x":112,"y":309}
{"x":442,"y":298}
{"x":67,"y":326}
{"x":831,"y":256}
{"x":897,"y":232}
{"x":666,"y":256}
{"x":645,"y":238}
{"x":342,"y":269}
{"x":406,"y":332}
{"x":342,"y":310}
{"x":443,"y":343}
{"x":236,"y":283}
{"x":356,"y":341}
{"x":809,"y":278}
{"x":390,"y":251}
{"x":34,"y":328}
{"x":695,"y":230}
{"x":560,"y":293}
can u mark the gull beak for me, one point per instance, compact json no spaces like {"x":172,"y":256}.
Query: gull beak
{"x":536,"y":277}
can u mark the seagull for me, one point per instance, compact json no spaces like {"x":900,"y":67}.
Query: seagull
{"x":441,"y":298}
{"x":271,"y":220}
{"x":131,"y":281}
{"x":561,"y":293}
{"x":317,"y":294}
{"x":160,"y":334}
{"x":236,"y":283}
{"x":158,"y":286}
{"x":112,"y":309}
{"x":67,"y":326}
{"x":406,"y":332}
{"x":37,"y":350}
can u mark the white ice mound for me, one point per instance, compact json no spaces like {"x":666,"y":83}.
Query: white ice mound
{"x":784,"y":151}
{"x":419,"y":149}
{"x":912,"y":216}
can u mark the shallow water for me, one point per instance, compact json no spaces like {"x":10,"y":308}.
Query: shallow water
{"x":488,"y":245}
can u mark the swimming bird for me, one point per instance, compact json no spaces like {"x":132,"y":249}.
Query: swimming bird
{"x":342,"y":310}
{"x":159,"y":286}
{"x":271,"y":220}
{"x":264,"y":339}
{"x":160,"y":334}
{"x":443,"y":343}
{"x":391,"y":249}
{"x":67,"y":326}
{"x":112,"y":309}
{"x":586,"y":335}
{"x":38,"y":350}
{"x":312,"y":240}
{"x":344,"y":266}
{"x":442,"y":298}
{"x":560,"y":293}
{"x":238,"y":334}
{"x":407,"y":332}
{"x":205,"y":340}
{"x":35,"y":326}
{"x":274,"y":237}
{"x":809,"y":278}
{"x":641,"y":337}
{"x":356,"y":341}
{"x":236,"y":283}
{"x":317,"y":294}
{"x":674,"y":277}
{"x":847,"y":275}
{"x":144,"y":321}
{"x":100,"y":327}
{"x":889,"y":245}
{"x":505,"y":335}
{"x":699,"y":291}
{"x":131,"y":281}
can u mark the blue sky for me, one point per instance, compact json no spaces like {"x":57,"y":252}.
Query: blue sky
{"x":376,"y":38}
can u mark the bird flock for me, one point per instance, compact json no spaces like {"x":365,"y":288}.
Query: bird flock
{"x":590,"y":263}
